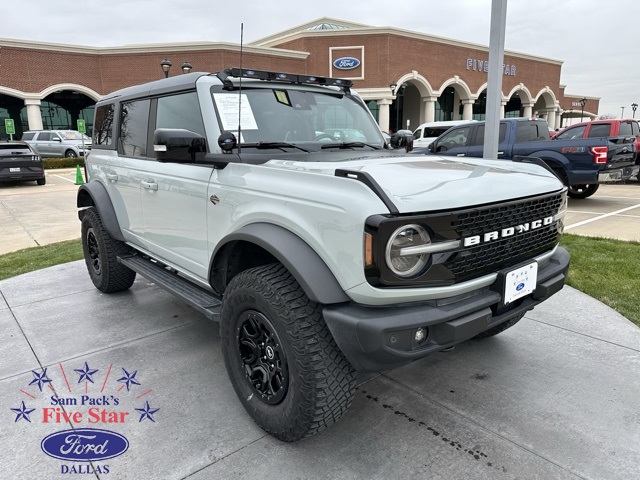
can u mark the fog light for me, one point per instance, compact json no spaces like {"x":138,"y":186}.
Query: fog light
{"x":420,"y":335}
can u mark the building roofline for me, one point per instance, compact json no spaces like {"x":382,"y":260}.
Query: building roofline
{"x":303,"y":27}
{"x":151,"y":48}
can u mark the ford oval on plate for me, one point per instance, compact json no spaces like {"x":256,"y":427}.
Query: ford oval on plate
{"x":84,"y":445}
{"x":346,"y":63}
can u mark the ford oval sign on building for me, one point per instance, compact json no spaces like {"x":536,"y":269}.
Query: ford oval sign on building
{"x":84,"y":445}
{"x":346,"y":63}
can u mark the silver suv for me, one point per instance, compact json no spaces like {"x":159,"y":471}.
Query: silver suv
{"x":58,"y":143}
{"x":271,"y":203}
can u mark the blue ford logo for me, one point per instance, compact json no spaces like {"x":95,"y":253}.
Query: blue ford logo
{"x":84,"y":445}
{"x":346,"y":63}
{"x":520,"y":287}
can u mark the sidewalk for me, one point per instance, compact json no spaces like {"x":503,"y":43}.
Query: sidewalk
{"x":555,"y":397}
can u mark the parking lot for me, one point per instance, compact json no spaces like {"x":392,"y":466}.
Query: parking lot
{"x":555,"y":397}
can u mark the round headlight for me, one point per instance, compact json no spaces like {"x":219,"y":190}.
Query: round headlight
{"x":400,"y":258}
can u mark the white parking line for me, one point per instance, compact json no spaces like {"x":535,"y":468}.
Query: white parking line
{"x":584,"y":222}
{"x":68,"y":180}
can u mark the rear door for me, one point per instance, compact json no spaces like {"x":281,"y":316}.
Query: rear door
{"x":455,"y":142}
{"x":476,"y":147}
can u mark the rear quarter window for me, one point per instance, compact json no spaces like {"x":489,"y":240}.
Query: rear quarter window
{"x":103,"y":126}
{"x":28,"y":135}
{"x":625,"y":129}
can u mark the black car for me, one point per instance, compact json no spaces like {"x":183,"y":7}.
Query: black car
{"x":18,"y":162}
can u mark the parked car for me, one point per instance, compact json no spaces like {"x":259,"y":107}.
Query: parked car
{"x":58,"y":143}
{"x":428,"y":132}
{"x":581,"y":164}
{"x":604,"y":128}
{"x":18,"y":162}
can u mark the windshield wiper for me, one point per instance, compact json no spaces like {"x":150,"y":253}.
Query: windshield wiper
{"x":280,"y":145}
{"x":351,"y":145}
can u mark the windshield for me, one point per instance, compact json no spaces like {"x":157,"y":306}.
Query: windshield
{"x":73,"y":136}
{"x":309,"y":119}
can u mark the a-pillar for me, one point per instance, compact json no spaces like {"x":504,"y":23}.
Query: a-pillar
{"x":527,"y":109}
{"x":34,"y":117}
{"x":383,"y":113}
{"x":467,"y":109}
{"x":428,"y":110}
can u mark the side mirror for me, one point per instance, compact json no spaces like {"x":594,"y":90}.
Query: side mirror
{"x":402,"y":139}
{"x":177,"y":145}
{"x":56,"y":139}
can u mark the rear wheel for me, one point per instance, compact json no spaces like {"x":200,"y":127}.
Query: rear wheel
{"x":582,"y":191}
{"x":280,"y":356}
{"x":101,"y":252}
{"x":41,"y":181}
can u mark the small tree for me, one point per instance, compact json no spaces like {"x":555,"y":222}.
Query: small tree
{"x":606,"y":116}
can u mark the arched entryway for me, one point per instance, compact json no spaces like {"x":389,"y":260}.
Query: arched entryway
{"x":12,"y":108}
{"x":61,"y":110}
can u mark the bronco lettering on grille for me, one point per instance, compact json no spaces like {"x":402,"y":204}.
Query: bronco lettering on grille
{"x":507,"y":232}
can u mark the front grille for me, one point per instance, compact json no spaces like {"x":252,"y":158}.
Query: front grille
{"x":487,"y":257}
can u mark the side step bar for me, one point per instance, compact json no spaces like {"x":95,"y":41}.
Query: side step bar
{"x":199,"y":298}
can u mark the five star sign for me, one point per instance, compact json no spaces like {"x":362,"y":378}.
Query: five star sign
{"x":24,"y":412}
{"x":85,"y":374}
{"x":40,"y":378}
{"x":129,"y":379}
{"x":147,"y":412}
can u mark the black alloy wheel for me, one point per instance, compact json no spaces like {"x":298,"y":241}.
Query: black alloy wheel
{"x":263,"y":358}
{"x":93,"y":250}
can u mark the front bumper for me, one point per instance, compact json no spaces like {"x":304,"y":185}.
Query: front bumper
{"x":366,"y":334}
{"x":618,"y":174}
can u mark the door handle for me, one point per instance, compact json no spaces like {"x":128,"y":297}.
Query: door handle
{"x":460,"y":155}
{"x":112,"y":176}
{"x":500,"y":153}
{"x":150,"y":185}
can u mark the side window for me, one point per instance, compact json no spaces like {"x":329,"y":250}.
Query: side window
{"x":602,"y":130}
{"x":532,"y":131}
{"x":635,"y":130}
{"x":180,"y":111}
{"x":44,"y":136}
{"x":103,"y":125}
{"x":625,"y":129}
{"x":479,"y":139}
{"x":453,"y":138}
{"x":572,"y":133}
{"x":134,"y":122}
{"x":28,"y":135}
{"x":417,"y":134}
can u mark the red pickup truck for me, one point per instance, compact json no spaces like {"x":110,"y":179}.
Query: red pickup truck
{"x":604,"y":128}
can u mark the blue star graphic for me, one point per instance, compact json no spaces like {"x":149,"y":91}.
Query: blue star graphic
{"x":23,"y":412}
{"x":147,"y":412}
{"x":85,"y":374}
{"x":40,"y":378}
{"x":129,"y":379}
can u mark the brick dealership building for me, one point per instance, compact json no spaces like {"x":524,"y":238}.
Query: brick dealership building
{"x":406,"y":78}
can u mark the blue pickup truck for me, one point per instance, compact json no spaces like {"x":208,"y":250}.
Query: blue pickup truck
{"x":581,"y":164}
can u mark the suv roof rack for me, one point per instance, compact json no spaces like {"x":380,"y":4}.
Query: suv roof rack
{"x":282,"y":77}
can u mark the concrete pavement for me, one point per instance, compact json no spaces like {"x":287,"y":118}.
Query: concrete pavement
{"x":554,"y":397}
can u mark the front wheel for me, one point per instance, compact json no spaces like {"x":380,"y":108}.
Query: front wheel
{"x":70,"y":154}
{"x":280,"y":356}
{"x":582,"y":191}
{"x":101,"y":252}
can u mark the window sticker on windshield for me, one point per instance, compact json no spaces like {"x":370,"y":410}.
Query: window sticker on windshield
{"x":228,"y":108}
{"x":282,"y":97}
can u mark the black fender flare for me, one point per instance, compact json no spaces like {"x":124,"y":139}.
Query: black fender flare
{"x":306,"y":266}
{"x":94,"y":194}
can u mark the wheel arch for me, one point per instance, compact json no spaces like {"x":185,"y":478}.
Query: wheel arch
{"x":94,"y":194}
{"x":265,"y":243}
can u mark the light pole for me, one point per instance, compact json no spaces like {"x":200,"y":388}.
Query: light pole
{"x":633,"y":108}
{"x":166,"y":65}
{"x":186,"y":67}
{"x":583,"y":101}
{"x":622,"y":114}
{"x":393,"y":86}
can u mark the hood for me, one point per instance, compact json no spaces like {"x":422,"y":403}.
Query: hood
{"x":440,"y":183}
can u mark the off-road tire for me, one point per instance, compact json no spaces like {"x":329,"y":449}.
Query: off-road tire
{"x":500,"y":328}
{"x":320,"y":382}
{"x":582,"y":191}
{"x":101,"y":252}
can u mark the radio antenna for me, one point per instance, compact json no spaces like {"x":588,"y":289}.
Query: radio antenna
{"x":240,"y":93}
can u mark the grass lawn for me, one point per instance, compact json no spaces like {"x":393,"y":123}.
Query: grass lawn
{"x":608,"y":270}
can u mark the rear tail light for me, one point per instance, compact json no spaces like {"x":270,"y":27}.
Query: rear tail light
{"x":599,"y":154}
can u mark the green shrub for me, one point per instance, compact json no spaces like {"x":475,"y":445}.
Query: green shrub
{"x":50,"y":163}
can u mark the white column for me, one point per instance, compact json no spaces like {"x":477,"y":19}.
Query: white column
{"x":558,"y":119}
{"x":33,"y":114}
{"x":383,"y":113}
{"x":467,"y":109}
{"x":528,"y":109}
{"x":551,"y":118}
{"x":428,"y":110}
{"x":502,"y":105}
{"x":455,"y":115}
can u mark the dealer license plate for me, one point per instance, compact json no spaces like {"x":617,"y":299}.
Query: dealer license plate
{"x":14,"y":169}
{"x":520,"y":282}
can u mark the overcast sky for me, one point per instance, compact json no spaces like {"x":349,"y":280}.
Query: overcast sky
{"x":597,"y":39}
